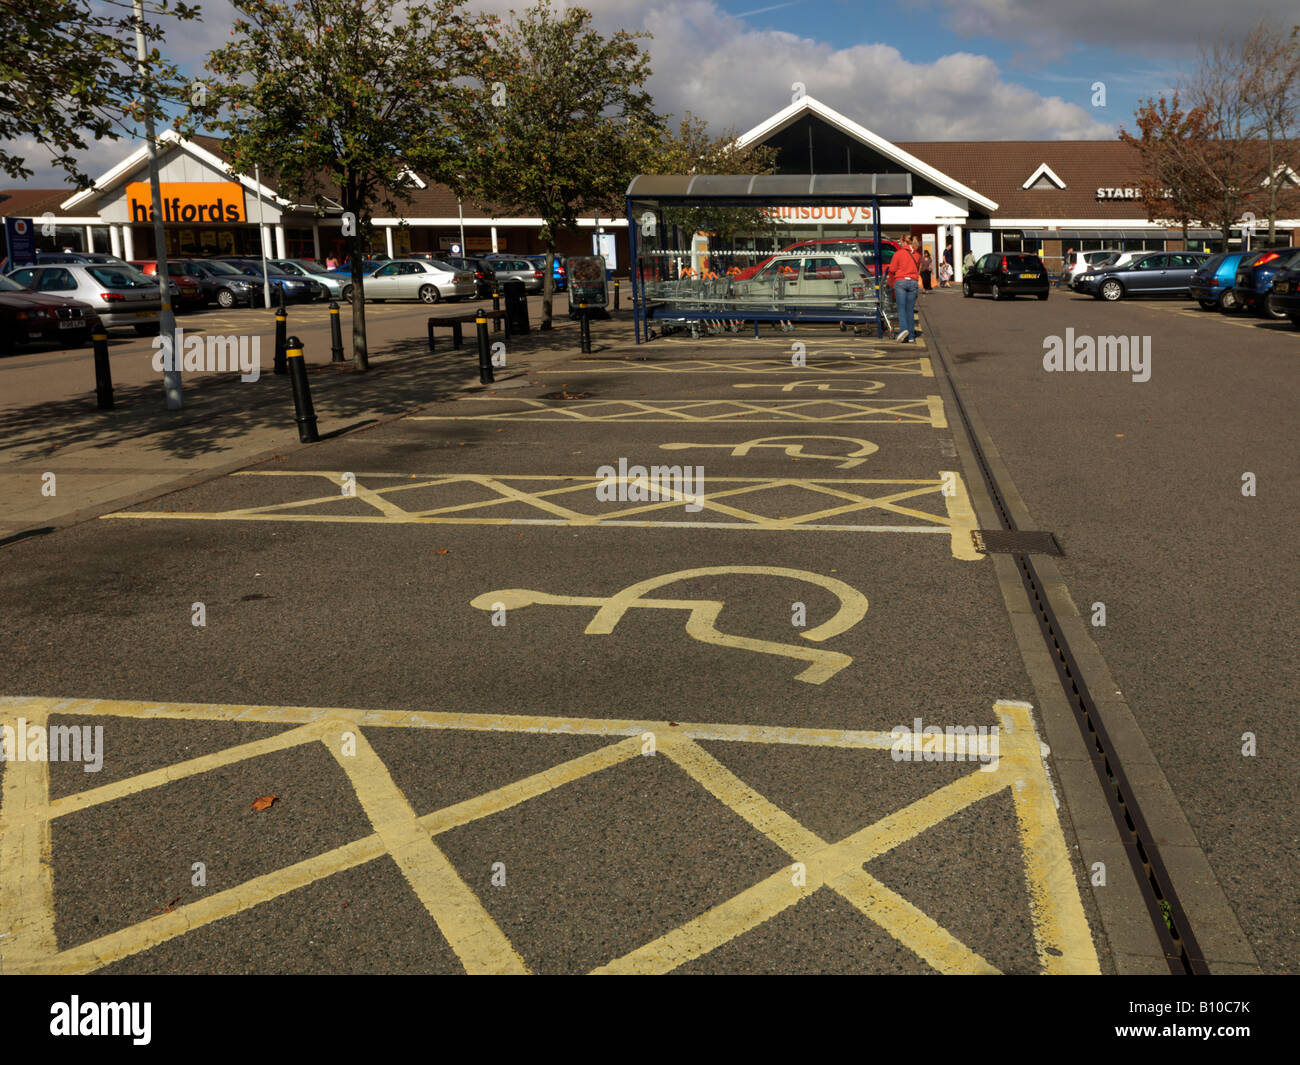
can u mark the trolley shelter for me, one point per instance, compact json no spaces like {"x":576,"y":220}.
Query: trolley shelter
{"x":709,"y":252}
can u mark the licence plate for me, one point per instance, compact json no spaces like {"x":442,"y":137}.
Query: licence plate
{"x":1028,"y":277}
{"x":1285,"y":286}
{"x":145,"y":314}
{"x":73,"y":323}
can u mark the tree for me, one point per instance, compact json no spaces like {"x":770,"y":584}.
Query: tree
{"x":693,"y":150}
{"x":68,"y":70}
{"x":1171,"y":144}
{"x":560,"y":122}
{"x":1271,"y":89}
{"x":344,"y":100}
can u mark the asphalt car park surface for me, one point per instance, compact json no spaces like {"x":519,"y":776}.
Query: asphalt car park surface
{"x":511,"y":723}
{"x":587,"y":733}
{"x":1142,"y":483}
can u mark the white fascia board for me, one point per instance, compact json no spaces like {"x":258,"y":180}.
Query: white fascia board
{"x":1073,"y":223}
{"x":891,"y":151}
{"x":587,"y":223}
{"x":1043,"y":168}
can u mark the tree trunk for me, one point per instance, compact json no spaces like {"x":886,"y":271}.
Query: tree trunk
{"x":548,"y":285}
{"x":360,"y":351}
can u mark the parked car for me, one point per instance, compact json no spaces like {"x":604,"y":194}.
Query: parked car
{"x":44,"y":257}
{"x":518,"y":269}
{"x":1254,"y":280}
{"x":484,"y":275}
{"x":1213,"y":283}
{"x":1082,"y":260}
{"x":559,"y":276}
{"x":1157,"y":273}
{"x":863,"y":249}
{"x":296,"y":289}
{"x":119,"y":294}
{"x":222,"y":284}
{"x":331,"y":283}
{"x":1286,"y":292}
{"x":187,"y":293}
{"x":828,"y":280}
{"x":416,"y":279}
{"x":26,"y":315}
{"x":1007,"y":274}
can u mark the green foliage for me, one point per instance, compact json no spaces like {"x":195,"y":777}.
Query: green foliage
{"x":68,"y":71}
{"x":343,"y":100}
{"x":560,"y":122}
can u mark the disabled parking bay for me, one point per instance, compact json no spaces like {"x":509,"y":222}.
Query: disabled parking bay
{"x":627,"y":669}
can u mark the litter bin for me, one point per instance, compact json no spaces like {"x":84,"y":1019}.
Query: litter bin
{"x":516,"y":307}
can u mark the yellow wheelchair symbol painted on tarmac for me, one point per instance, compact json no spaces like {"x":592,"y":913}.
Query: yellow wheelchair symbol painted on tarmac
{"x":703,"y":613}
{"x":856,"y":457}
{"x":866,"y":388}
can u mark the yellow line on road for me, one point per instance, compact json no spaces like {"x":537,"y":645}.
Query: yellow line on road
{"x":26,"y":872}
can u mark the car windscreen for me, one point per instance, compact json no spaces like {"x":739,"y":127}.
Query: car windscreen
{"x":438,"y":264}
{"x":8,"y":285}
{"x":1023,"y":262}
{"x":1213,"y":263}
{"x":120,"y":277}
{"x":217,"y":267}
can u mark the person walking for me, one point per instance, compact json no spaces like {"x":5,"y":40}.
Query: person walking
{"x":927,"y":268}
{"x":1067,"y":262}
{"x":903,"y":274}
{"x":946,"y":268}
{"x":968,"y":263}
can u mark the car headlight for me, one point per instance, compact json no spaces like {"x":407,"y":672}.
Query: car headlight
{"x":241,"y":284}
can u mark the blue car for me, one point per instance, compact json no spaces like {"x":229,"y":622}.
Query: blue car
{"x":1254,"y":280}
{"x":295,"y":289}
{"x":559,"y":276}
{"x":1212,"y":285}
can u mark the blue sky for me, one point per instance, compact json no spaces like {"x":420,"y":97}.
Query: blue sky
{"x":906,"y":69}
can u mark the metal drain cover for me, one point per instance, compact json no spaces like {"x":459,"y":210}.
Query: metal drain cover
{"x":1011,"y":542}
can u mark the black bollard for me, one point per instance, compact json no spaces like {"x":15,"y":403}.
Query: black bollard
{"x":303,"y":411}
{"x":615,"y":295}
{"x":484,"y":355}
{"x":496,"y":312}
{"x":281,"y":326}
{"x":584,"y":329}
{"x":336,"y":334}
{"x":103,"y":374}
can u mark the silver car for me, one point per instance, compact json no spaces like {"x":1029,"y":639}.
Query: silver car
{"x":120,"y":294}
{"x":517,"y":270}
{"x":427,"y":280}
{"x":306,"y":268}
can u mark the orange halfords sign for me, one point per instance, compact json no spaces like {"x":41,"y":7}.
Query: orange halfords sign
{"x":188,"y":201}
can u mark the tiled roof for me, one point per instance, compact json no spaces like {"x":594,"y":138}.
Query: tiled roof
{"x":998,"y":169}
{"x":27,"y":203}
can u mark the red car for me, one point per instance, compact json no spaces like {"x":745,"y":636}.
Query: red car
{"x":189,"y":290}
{"x":26,"y":315}
{"x":853,"y":245}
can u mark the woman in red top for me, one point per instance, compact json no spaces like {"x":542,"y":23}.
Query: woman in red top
{"x":904,"y":274}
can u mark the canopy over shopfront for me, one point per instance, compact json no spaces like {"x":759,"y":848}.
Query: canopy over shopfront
{"x":688,"y":218}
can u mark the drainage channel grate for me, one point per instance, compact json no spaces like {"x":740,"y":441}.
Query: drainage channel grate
{"x":1011,"y":542}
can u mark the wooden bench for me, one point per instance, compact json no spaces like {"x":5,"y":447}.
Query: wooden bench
{"x":457,"y":321}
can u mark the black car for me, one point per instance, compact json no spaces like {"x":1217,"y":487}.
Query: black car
{"x":1007,"y":274}
{"x":26,"y":315}
{"x":222,"y":283}
{"x":1255,"y":275}
{"x":1160,"y":273}
{"x":1286,"y":292}
{"x":485,"y":281}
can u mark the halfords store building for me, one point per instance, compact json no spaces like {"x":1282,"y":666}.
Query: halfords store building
{"x":1037,"y":196}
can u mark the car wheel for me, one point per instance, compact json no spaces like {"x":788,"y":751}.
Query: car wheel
{"x":225,"y":298}
{"x":1229,"y":302}
{"x":429,"y":294}
{"x":995,"y":291}
{"x":1271,"y":309}
{"x":1207,"y":305}
{"x":1112,"y":291}
{"x":346,"y":294}
{"x":966,"y":290}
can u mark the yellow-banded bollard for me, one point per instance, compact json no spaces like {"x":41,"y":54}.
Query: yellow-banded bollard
{"x":281,"y":327}
{"x":336,"y":334}
{"x":485,"y":376}
{"x":103,"y":374}
{"x":304,"y":412}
